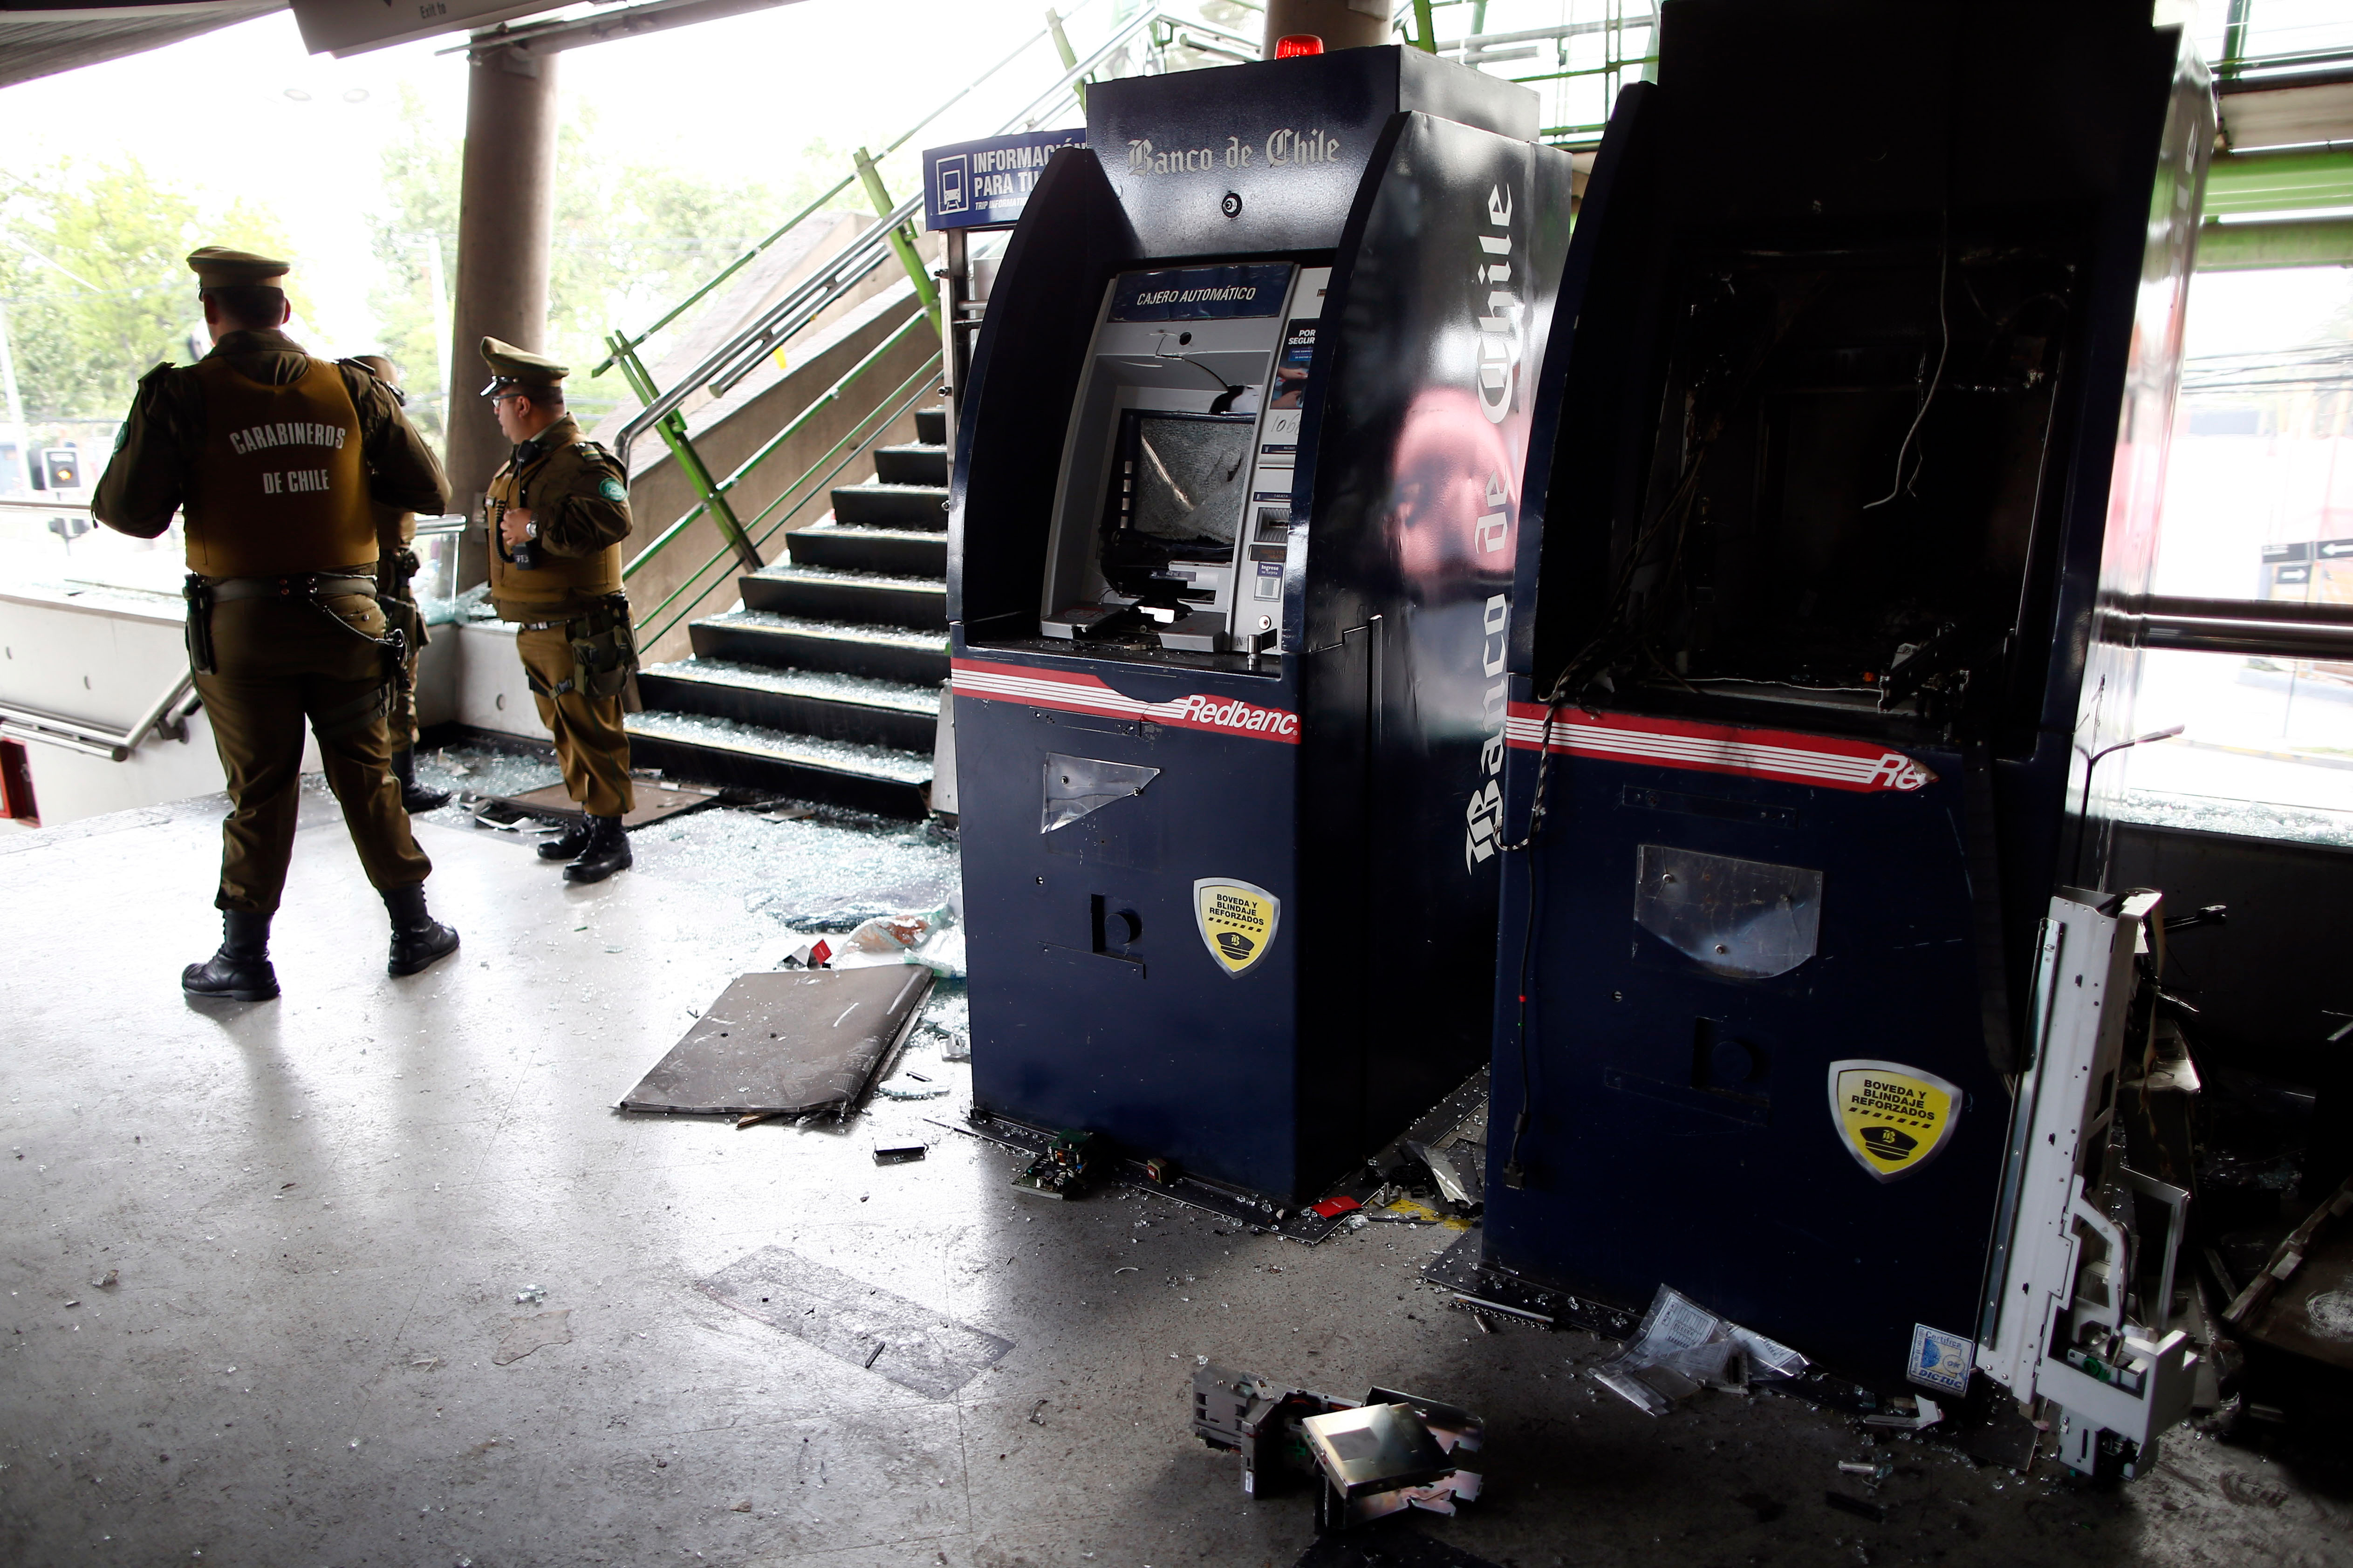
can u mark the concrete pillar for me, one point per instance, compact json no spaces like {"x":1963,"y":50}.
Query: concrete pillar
{"x":506,"y":223}
{"x":1341,"y":24}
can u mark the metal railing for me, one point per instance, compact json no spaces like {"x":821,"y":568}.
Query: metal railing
{"x":168,"y":717}
{"x":1484,"y":50}
{"x":901,"y":400}
{"x":829,"y":284}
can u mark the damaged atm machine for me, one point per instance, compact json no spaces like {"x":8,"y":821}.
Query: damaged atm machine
{"x":1814,"y":1003}
{"x":1234,"y":503}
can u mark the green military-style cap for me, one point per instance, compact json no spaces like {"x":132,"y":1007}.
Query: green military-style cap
{"x":217,"y":267}
{"x":512,"y":366}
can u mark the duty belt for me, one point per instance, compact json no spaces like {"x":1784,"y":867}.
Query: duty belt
{"x":302,"y":586}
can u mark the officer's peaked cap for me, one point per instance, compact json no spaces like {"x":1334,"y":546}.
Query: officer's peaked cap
{"x":217,"y":267}
{"x":512,"y":366}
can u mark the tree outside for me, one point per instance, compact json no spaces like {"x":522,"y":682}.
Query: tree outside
{"x":94,"y":279}
{"x":632,"y":239}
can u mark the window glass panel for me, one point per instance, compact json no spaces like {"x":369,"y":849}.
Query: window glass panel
{"x":2259,"y":480}
{"x":2262,"y":441}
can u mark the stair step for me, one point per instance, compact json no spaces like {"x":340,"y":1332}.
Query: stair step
{"x":895,"y":551}
{"x":931,"y":425}
{"x":891,"y":506}
{"x":795,"y":642}
{"x":698,"y":748}
{"x":830,"y":706}
{"x":858,"y":597}
{"x":920,"y":463}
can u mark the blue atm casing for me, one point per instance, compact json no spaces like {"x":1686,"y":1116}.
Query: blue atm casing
{"x":1341,"y":787}
{"x":1774,"y":941}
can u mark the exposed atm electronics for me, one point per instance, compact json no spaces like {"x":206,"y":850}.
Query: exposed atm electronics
{"x":1236,"y":480}
{"x":1851,"y":441}
{"x":1172,"y":526}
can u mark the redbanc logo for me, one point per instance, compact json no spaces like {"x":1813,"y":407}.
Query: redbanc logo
{"x":1208,"y":713}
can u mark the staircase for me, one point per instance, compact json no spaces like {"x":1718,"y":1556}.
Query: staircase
{"x":825,"y":686}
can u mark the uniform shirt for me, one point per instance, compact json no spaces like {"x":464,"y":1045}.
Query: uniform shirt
{"x":579,"y":499}
{"x":159,"y":445}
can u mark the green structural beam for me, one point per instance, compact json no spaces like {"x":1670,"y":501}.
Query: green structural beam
{"x":2248,"y":183}
{"x":903,"y":238}
{"x":2252,"y":247}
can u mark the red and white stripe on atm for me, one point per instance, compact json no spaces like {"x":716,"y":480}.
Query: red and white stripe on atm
{"x":1070,"y":692}
{"x":1827,"y":761}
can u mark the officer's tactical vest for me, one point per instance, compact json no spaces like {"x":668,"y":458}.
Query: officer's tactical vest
{"x":280,"y":487}
{"x":559,"y":584}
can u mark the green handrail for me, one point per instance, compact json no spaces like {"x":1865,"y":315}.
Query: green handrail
{"x":884,"y":414}
{"x":847,"y":180}
{"x":767,"y":449}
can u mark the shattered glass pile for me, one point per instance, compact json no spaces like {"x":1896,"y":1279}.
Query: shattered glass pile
{"x":828,"y":873}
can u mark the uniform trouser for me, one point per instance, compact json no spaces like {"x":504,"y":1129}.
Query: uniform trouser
{"x":591,"y":746}
{"x":280,"y":663}
{"x":395,"y":567}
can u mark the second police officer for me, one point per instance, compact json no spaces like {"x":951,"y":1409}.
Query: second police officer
{"x":558,"y":510}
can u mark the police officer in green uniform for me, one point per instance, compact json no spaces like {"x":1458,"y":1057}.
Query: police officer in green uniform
{"x":272,"y":458}
{"x":559,"y":509}
{"x":396,"y":568}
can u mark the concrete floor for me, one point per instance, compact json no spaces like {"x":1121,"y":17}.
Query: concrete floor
{"x":319,"y":1211}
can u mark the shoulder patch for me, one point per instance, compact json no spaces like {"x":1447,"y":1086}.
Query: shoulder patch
{"x":612,"y":490}
{"x":400,"y":397}
{"x":158,"y":374}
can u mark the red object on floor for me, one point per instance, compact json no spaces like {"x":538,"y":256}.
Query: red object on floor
{"x":1293,"y":45}
{"x":1333,"y":1208}
{"x":16,"y":783}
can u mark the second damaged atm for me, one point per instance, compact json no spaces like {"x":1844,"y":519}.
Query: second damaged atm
{"x":1234,"y":504}
{"x":1811,"y":1003}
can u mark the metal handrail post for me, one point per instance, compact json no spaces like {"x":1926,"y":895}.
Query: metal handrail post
{"x":884,"y":413}
{"x":769,"y":448}
{"x":672,"y":428}
{"x":902,"y":235}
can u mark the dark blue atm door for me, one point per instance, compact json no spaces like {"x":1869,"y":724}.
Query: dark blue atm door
{"x":1687,"y":1127}
{"x":1097,"y":1001}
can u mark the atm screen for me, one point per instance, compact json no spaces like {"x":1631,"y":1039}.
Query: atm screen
{"x":1183,"y":479}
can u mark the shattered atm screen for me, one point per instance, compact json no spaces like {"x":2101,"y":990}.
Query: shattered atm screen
{"x":1183,"y":478}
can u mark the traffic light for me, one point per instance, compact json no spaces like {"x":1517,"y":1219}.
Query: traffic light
{"x":60,"y":469}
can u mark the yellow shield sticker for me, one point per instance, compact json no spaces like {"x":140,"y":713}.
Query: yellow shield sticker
{"x":1892,"y":1117}
{"x":1236,"y":921}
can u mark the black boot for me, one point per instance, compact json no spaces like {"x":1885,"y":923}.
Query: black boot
{"x":417,"y":939}
{"x":414,"y":799}
{"x":607,"y":852}
{"x":568,"y":844}
{"x":240,"y":971}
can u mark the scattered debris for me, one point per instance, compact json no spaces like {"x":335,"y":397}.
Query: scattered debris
{"x":900,"y":1153}
{"x":742,"y":1505}
{"x":1682,"y":1348}
{"x":1877,"y":1472}
{"x":528,"y":1335}
{"x":791,"y":1043}
{"x":553,"y":803}
{"x":756,"y":1117}
{"x":1060,"y":1172}
{"x":1367,"y":1459}
{"x":1856,"y":1506}
{"x":108,"y":1280}
{"x":896,"y":1091}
